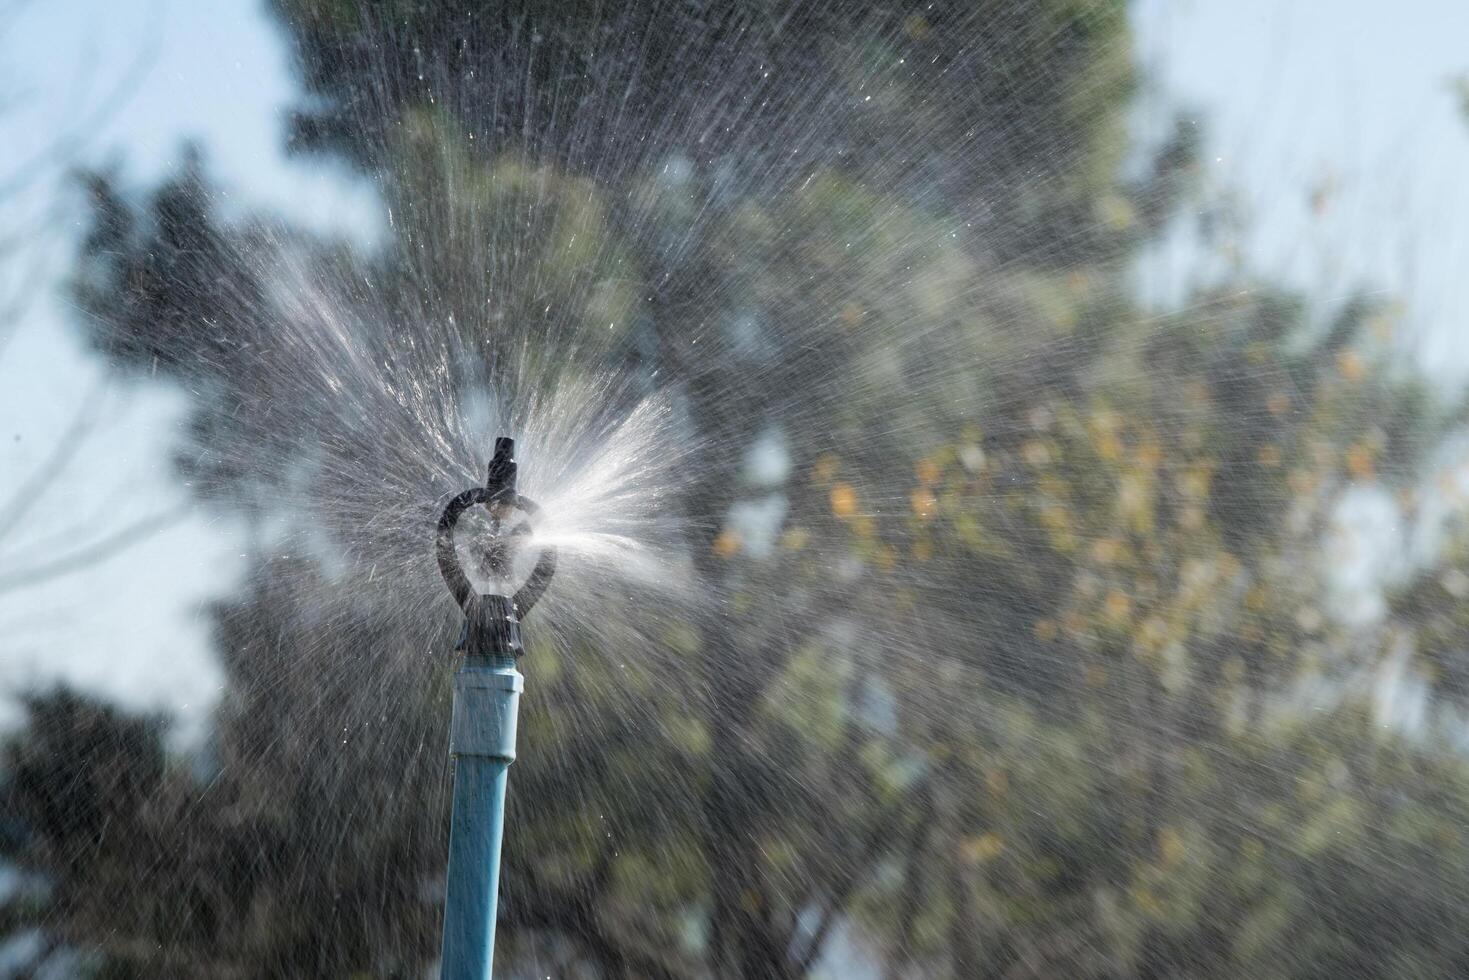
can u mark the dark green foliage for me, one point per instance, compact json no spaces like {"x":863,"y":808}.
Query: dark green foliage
{"x":1016,"y":692}
{"x":990,"y":86}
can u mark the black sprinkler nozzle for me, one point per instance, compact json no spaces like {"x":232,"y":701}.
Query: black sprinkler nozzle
{"x":492,"y":622}
{"x":502,"y":471}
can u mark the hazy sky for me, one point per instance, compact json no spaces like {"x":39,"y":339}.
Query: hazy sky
{"x":1349,"y":97}
{"x":215,"y":72}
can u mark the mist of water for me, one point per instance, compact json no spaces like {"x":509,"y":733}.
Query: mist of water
{"x":875,"y":489}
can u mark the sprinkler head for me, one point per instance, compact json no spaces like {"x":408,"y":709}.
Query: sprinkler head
{"x":502,"y":471}
{"x":492,"y":621}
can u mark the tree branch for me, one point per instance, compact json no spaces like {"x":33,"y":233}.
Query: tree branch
{"x":878,"y":841}
{"x":90,"y":554}
{"x":72,"y":140}
{"x":67,"y":446}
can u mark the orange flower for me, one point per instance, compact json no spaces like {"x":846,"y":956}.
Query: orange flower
{"x":1360,"y":463}
{"x":843,"y":500}
{"x":727,"y":545}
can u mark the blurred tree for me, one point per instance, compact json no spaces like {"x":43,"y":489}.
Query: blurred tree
{"x":160,"y":286}
{"x":1182,"y":636}
{"x":1015,"y":689}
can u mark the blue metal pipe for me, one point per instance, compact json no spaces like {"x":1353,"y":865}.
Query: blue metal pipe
{"x":482,"y":741}
{"x":486,"y":704}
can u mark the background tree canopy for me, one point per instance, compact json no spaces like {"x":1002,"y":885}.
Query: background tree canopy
{"x":1020,"y":659}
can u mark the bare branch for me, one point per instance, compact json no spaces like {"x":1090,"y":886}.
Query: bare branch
{"x":62,"y":453}
{"x":66,"y":146}
{"x":92,"y":553}
{"x":882,"y":838}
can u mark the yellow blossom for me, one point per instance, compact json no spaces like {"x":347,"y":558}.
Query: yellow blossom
{"x":1170,"y":846}
{"x":1152,"y":635}
{"x":1360,"y":463}
{"x":1036,"y":454}
{"x":1194,"y":482}
{"x":985,"y":847}
{"x":843,"y":500}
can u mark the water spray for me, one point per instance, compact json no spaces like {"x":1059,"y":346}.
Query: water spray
{"x":487,"y":689}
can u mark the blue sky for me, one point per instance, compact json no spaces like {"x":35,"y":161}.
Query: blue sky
{"x":1351,"y":97}
{"x":216,"y":72}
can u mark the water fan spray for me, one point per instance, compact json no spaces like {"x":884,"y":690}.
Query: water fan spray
{"x":487,"y":689}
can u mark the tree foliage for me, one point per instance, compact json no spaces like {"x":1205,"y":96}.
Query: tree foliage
{"x":1038,"y":674}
